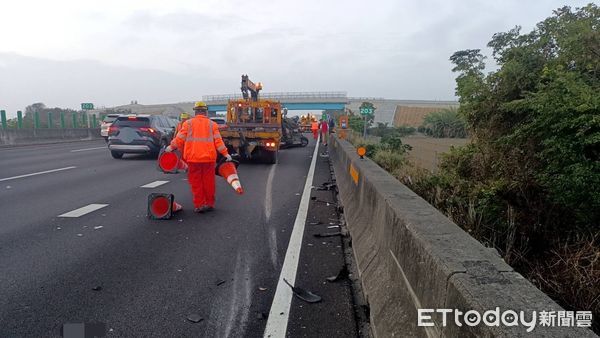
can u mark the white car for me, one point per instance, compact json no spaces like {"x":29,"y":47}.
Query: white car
{"x":106,"y":122}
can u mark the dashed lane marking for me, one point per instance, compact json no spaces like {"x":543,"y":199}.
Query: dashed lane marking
{"x":83,"y":210}
{"x":38,"y":173}
{"x":154,"y":184}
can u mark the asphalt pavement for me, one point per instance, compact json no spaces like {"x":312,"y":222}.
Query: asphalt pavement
{"x":196,"y":275}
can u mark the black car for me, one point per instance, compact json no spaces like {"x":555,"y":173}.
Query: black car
{"x":139,"y":134}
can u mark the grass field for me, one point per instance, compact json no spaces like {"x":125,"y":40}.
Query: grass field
{"x":426,"y":150}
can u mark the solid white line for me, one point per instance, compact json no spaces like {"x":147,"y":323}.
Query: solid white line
{"x":154,"y":184}
{"x":34,"y":174}
{"x":86,"y":149}
{"x":277,"y":322}
{"x":83,"y":210}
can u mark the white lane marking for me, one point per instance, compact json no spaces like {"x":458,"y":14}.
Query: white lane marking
{"x":83,"y":210}
{"x":269,"y":192}
{"x":86,"y":149}
{"x":154,"y":184}
{"x":277,"y":322}
{"x":38,"y":173}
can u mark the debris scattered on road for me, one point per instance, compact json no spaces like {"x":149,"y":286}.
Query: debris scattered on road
{"x":98,"y":227}
{"x":103,"y":215}
{"x":333,"y":226}
{"x":79,"y":235}
{"x":178,"y":270}
{"x":195,"y":318}
{"x":310,"y":244}
{"x":58,"y":228}
{"x":316,"y":223}
{"x":327,"y":186}
{"x":297,"y":194}
{"x":262,"y":289}
{"x":97,"y":288}
{"x":8,"y":187}
{"x":303,"y":294}
{"x":219,"y":282}
{"x":328,"y":234}
{"x":343,"y":274}
{"x":261,"y":315}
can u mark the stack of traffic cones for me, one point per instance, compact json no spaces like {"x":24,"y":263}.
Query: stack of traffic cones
{"x":228,"y":171}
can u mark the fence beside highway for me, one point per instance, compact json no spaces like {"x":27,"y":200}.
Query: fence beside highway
{"x":10,"y":137}
{"x":411,"y":257}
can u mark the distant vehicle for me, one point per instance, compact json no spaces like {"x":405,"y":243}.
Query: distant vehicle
{"x":220,"y":120}
{"x":106,"y":122}
{"x":139,"y":134}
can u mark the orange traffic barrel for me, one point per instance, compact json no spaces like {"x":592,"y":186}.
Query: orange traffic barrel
{"x":228,"y":171}
{"x":171,"y":163}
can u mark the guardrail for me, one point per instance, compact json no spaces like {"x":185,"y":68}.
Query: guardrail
{"x":50,"y":120}
{"x":412,"y":258}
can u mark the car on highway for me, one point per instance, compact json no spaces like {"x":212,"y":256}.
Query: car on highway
{"x":105,"y":124}
{"x":220,"y":120}
{"x":139,"y":134}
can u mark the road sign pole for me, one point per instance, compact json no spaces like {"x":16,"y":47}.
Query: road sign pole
{"x":94,"y":121}
{"x":3,"y":117}
{"x":19,"y":119}
{"x":84,"y":120}
{"x":365,"y":127}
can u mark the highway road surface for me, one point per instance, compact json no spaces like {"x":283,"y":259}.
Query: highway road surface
{"x":76,"y":247}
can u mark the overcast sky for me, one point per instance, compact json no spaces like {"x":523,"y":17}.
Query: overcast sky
{"x":110,"y":52}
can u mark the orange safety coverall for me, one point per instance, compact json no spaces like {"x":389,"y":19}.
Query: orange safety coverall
{"x":200,"y":140}
{"x":315,"y":129}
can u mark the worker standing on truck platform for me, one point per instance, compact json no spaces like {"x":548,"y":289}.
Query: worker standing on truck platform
{"x":314,"y":126}
{"x":324,"y":131}
{"x":200,"y":140}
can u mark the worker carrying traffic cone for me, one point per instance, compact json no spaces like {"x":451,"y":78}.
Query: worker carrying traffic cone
{"x":200,"y":140}
{"x":227,"y":170}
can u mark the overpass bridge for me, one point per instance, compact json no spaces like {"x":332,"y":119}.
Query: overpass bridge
{"x":385,"y":109}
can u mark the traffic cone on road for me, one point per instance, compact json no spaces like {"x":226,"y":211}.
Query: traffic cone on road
{"x":228,"y":171}
{"x":162,"y":206}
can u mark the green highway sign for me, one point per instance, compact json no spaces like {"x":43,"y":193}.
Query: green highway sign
{"x":87,"y":106}
{"x":366,"y":111}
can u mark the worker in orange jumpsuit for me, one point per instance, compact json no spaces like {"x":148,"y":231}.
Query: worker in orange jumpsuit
{"x":200,"y":139}
{"x":314,"y":126}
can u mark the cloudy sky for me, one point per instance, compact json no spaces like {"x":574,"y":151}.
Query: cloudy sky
{"x":109,"y":52}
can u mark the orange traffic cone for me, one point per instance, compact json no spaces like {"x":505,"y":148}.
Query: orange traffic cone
{"x":162,"y":206}
{"x":228,"y":171}
{"x":171,"y":163}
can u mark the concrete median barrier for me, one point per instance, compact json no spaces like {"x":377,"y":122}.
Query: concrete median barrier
{"x":9,"y":137}
{"x":410,"y":257}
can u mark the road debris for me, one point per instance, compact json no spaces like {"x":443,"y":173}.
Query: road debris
{"x":328,"y":234}
{"x":262,"y":289}
{"x":79,"y":235}
{"x":342,"y":274}
{"x":97,"y":288}
{"x":98,"y":227}
{"x":219,"y":282}
{"x":195,"y":318}
{"x":303,"y":294}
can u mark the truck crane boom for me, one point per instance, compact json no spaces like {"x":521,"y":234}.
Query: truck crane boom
{"x":249,"y":86}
